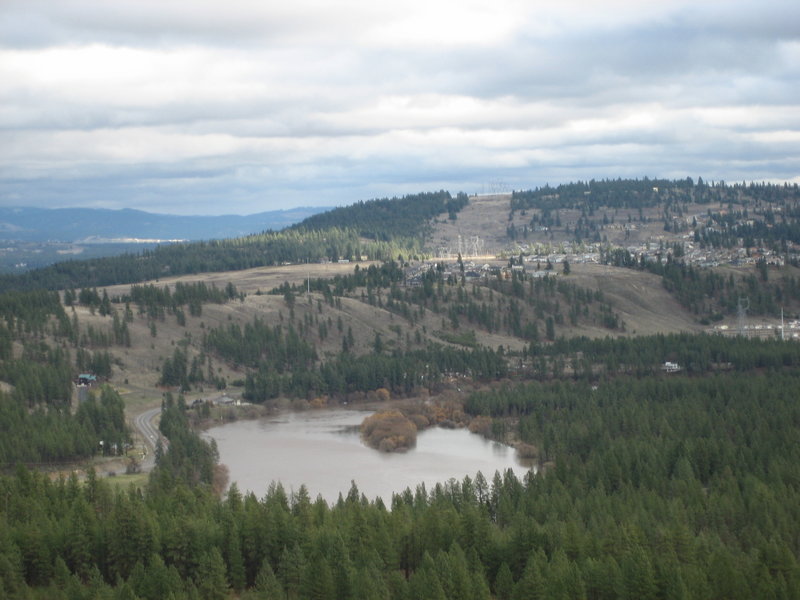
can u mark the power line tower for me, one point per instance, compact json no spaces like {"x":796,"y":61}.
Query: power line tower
{"x":498,"y":187}
{"x":477,"y":246}
{"x":741,"y":313}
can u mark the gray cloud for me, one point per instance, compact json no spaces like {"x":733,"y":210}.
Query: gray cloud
{"x":204,"y":107}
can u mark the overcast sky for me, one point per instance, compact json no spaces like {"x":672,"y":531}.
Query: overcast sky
{"x":232,"y":106}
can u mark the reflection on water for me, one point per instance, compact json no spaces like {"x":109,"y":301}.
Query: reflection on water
{"x":323,"y":450}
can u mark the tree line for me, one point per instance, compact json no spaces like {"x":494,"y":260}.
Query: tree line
{"x":647,"y":488}
{"x":390,"y":218}
{"x":595,"y":358}
{"x":50,"y":435}
{"x":643,"y":193}
{"x":403,"y":372}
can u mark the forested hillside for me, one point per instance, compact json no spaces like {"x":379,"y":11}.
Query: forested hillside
{"x":376,"y":230}
{"x":36,"y":419}
{"x":650,"y":483}
{"x":389,"y":219}
{"x":670,"y":196}
{"x":651,"y":488}
{"x":684,"y":231}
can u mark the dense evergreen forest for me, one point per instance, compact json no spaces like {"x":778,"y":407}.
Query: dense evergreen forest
{"x":376,"y":229}
{"x":588,"y":359}
{"x":389,"y":218}
{"x":37,"y":423}
{"x":44,"y":436}
{"x":657,"y":487}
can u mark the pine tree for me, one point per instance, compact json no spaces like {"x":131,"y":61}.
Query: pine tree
{"x":235,"y":561}
{"x":369,"y":585}
{"x":210,"y":578}
{"x":291,"y":569}
{"x":317,"y":581}
{"x":531,"y":585}
{"x":267,"y":585}
{"x":637,"y":576}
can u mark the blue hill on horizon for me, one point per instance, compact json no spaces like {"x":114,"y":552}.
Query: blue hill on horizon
{"x":93,"y":225}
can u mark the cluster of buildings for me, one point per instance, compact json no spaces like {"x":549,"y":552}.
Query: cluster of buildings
{"x":693,"y":254}
{"x":789,"y":331}
{"x":472,"y":271}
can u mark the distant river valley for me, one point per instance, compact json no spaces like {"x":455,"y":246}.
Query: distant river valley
{"x":323,"y":450}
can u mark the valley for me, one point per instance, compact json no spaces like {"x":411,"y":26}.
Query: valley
{"x":663,"y":452}
{"x":637,"y":299}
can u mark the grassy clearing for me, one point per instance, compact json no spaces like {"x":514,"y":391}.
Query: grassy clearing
{"x":126,"y":482}
{"x":462,"y":338}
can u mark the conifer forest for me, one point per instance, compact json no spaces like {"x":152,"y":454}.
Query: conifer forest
{"x":649,"y":483}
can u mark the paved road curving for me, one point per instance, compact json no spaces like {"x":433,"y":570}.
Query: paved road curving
{"x":144,"y":423}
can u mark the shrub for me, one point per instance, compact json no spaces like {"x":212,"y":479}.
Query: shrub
{"x":389,"y":431}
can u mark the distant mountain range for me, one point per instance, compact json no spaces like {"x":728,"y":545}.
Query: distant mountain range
{"x":92,"y":225}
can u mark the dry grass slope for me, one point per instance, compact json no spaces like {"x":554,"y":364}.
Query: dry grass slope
{"x":638,"y":297}
{"x":645,"y":306}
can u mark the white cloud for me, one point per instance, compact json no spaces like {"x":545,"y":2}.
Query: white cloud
{"x":175,"y":104}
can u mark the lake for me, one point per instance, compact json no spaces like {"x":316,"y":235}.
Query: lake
{"x":323,"y":450}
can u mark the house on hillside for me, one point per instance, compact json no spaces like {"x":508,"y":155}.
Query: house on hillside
{"x":86,"y":379}
{"x":226,"y":400}
{"x":83,"y":383}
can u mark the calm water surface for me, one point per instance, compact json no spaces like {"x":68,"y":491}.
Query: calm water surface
{"x":323,"y":450}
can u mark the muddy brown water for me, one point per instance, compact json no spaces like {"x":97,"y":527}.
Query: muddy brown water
{"x":323,"y":450}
